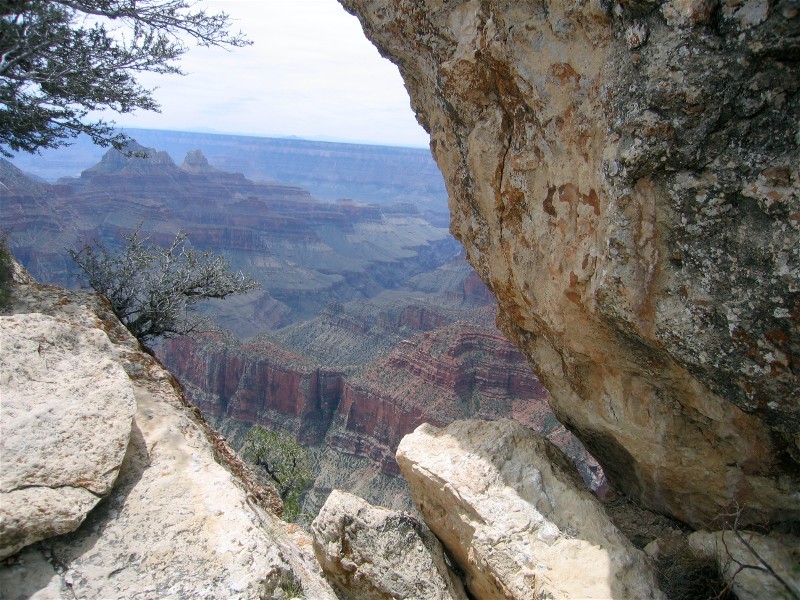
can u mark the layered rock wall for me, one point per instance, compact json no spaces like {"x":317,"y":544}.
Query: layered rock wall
{"x":256,"y":382}
{"x":624,"y":177}
{"x":305,"y":252}
{"x":445,"y":374}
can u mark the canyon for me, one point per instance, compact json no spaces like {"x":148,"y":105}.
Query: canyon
{"x":369,"y":321}
{"x":183,"y":516}
{"x":330,"y":171}
{"x":624,"y":178}
{"x":305,"y":251}
{"x":356,"y":412}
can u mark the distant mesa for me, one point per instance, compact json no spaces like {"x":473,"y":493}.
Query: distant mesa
{"x":135,"y":159}
{"x":196,"y":162}
{"x":372,"y":174}
{"x":308,"y":252}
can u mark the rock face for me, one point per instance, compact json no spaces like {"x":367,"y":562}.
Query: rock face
{"x":437,"y":377}
{"x":514,"y":515}
{"x":448,"y":373}
{"x":372,"y":553}
{"x":624,"y":176}
{"x":66,"y":412}
{"x":183,"y":519}
{"x":362,"y":375}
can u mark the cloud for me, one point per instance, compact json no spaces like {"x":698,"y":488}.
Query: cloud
{"x":310,"y":72}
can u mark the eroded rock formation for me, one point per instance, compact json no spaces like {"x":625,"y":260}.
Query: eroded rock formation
{"x":372,"y":553}
{"x":306,"y":252}
{"x":184,"y":517}
{"x":448,"y":373}
{"x":516,"y":518}
{"x":624,"y":176}
{"x":330,"y":171}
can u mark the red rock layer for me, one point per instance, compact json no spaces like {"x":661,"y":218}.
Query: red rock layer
{"x":450,"y":373}
{"x":255,"y":383}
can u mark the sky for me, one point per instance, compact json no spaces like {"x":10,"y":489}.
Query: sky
{"x":310,"y":73}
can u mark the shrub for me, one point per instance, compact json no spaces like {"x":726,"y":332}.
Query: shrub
{"x":287,"y":464}
{"x":153,"y":290}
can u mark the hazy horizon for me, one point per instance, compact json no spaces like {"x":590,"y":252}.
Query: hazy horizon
{"x":291,"y":160}
{"x":212,"y":131}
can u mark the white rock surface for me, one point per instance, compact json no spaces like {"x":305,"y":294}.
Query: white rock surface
{"x":515,"y":516}
{"x":757,"y":566}
{"x":66,"y":417}
{"x":373,"y":553}
{"x":177,"y":524}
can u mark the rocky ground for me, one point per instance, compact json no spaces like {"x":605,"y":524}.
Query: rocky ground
{"x":181,"y":516}
{"x":504,"y":513}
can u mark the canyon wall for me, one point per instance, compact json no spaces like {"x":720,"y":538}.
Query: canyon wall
{"x":330,"y":171}
{"x":355,"y":417}
{"x":624,"y":177}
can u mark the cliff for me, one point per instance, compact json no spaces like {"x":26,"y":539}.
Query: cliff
{"x":175,"y":514}
{"x":130,"y":492}
{"x":447,"y":373}
{"x":624,"y":177}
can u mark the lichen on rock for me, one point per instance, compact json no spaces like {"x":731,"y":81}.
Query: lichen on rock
{"x":624,"y":177}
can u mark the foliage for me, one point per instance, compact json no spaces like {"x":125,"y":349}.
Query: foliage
{"x":6,"y":272}
{"x":153,"y":290}
{"x":292,"y":589}
{"x":286,"y":463}
{"x":61,"y":59}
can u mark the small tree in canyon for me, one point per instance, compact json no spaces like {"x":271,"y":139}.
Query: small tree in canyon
{"x":287,"y":464}
{"x":153,"y":290}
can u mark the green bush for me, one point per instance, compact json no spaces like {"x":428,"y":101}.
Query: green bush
{"x":6,"y":272}
{"x":286,"y":462}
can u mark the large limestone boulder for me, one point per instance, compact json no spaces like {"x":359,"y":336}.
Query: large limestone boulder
{"x":514,"y":514}
{"x":373,"y":553}
{"x":625,"y":177}
{"x":66,"y":415}
{"x":184,"y":518}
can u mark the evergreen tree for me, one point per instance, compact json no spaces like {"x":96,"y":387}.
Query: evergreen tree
{"x":61,"y":59}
